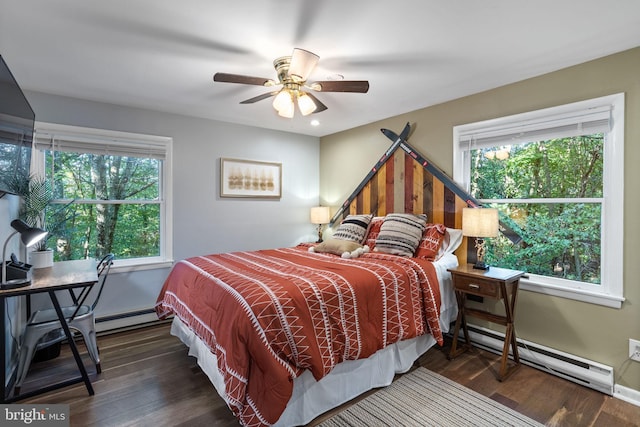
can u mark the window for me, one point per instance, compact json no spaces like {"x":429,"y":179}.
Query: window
{"x":556,"y":177}
{"x":111,"y":193}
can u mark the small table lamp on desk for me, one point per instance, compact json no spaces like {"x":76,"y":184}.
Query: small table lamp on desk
{"x":480,"y":223}
{"x":14,"y":273}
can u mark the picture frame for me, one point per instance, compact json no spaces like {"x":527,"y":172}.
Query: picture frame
{"x":250,"y":178}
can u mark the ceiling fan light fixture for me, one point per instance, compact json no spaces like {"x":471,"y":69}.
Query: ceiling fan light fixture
{"x":287,"y":112}
{"x":293,"y":72}
{"x":283,"y":101}
{"x":302,"y":63}
{"x":306,"y":104}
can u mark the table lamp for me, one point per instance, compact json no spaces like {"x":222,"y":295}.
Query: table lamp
{"x":320,"y":215}
{"x":29,"y":237}
{"x":480,"y":223}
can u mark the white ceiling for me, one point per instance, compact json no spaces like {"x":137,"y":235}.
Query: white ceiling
{"x":162,"y":54}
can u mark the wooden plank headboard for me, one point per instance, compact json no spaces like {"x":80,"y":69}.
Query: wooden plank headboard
{"x":401,"y":184}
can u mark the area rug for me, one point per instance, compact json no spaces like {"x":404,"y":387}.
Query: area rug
{"x":424,"y":398}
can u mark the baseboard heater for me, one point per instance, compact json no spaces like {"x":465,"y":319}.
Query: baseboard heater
{"x":128,"y":320}
{"x":114,"y":323}
{"x":573,"y":368}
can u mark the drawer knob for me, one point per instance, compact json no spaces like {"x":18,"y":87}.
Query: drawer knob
{"x":474,"y":286}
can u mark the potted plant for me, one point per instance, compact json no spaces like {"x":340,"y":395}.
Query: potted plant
{"x":38,"y":211}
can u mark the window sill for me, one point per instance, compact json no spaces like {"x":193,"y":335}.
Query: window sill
{"x":574,"y":294}
{"x":127,"y":266}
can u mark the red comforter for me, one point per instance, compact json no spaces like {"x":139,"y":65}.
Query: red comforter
{"x":268,"y":315}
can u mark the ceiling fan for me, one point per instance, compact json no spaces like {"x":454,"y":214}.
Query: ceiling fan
{"x":293,"y":72}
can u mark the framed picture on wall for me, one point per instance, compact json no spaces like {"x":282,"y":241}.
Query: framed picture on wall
{"x":250,"y":178}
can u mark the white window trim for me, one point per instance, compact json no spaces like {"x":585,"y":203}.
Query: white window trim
{"x":101,"y":138}
{"x":610,"y":292}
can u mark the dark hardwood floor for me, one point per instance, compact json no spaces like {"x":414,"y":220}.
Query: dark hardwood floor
{"x":148,"y":379}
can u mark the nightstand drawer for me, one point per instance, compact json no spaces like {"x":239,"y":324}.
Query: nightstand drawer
{"x":477,"y":286}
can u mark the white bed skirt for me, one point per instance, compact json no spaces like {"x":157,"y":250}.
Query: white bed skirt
{"x":348,"y":379}
{"x":311,"y":398}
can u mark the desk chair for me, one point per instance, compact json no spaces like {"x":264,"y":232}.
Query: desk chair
{"x":44,"y":329}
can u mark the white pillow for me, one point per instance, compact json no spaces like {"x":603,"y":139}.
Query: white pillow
{"x":452,"y":241}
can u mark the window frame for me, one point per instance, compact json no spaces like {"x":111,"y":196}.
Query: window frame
{"x":97,"y":139}
{"x":610,"y":292}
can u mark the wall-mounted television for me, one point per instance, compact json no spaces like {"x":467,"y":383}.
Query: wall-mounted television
{"x":16,"y":131}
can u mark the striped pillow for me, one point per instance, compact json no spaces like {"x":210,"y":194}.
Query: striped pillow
{"x":400,"y":234}
{"x":354,"y":228}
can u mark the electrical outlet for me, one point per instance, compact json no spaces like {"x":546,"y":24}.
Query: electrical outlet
{"x":634,"y":350}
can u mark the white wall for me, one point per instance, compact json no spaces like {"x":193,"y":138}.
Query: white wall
{"x":203,"y":222}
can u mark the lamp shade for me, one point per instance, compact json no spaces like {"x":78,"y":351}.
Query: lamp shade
{"x":287,"y":112}
{"x":320,"y":215}
{"x":480,"y":222}
{"x":283,"y":101}
{"x":29,"y":235}
{"x":302,"y":63}
{"x":306,"y":104}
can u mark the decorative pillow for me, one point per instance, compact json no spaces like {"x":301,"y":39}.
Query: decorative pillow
{"x":400,"y":234}
{"x":431,"y":241}
{"x":355,"y":254}
{"x":374,"y":230}
{"x":344,"y":248}
{"x":354,"y":228}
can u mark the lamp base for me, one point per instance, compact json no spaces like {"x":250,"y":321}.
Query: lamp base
{"x":15,"y":283}
{"x":319,"y":234}
{"x":480,"y":266}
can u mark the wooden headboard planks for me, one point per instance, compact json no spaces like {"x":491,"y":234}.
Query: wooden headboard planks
{"x":401,"y":184}
{"x":406,"y":181}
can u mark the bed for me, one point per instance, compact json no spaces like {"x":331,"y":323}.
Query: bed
{"x":286,"y":334}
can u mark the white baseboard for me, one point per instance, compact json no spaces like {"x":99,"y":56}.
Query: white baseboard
{"x":627,"y":394}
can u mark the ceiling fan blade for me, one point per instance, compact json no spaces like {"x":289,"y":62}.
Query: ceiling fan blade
{"x":259,"y":98}
{"x":302,"y":64}
{"x":360,"y":86}
{"x":319,"y":105}
{"x":237,"y":78}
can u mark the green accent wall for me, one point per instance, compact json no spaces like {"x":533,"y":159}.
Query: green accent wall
{"x":591,"y":331}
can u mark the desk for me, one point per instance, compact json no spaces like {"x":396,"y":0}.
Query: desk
{"x":64,"y":275}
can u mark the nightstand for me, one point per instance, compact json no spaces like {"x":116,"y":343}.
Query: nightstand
{"x":498,"y":283}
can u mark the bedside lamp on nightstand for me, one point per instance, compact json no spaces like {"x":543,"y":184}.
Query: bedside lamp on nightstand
{"x":480,"y":223}
{"x":320,"y":215}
